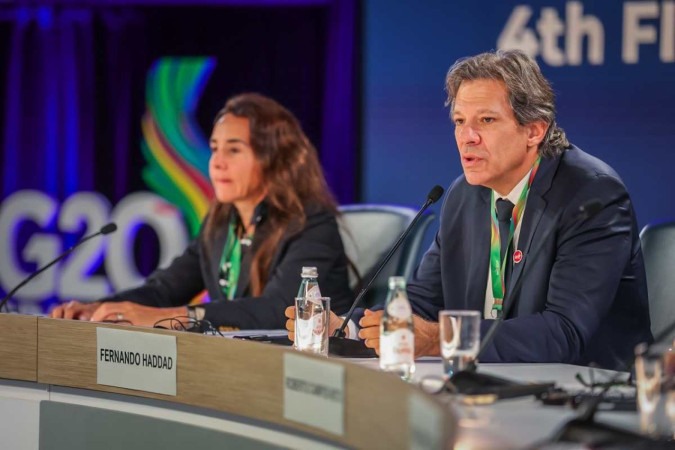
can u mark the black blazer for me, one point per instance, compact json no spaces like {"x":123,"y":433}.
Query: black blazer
{"x":583,"y":297}
{"x":317,"y":244}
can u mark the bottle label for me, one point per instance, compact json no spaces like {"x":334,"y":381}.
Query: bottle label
{"x":311,"y":330}
{"x":397,"y":347}
{"x":399,"y":307}
{"x":313,"y":291}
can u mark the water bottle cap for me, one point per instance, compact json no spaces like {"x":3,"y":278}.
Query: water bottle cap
{"x":396,"y":282}
{"x":309,"y":272}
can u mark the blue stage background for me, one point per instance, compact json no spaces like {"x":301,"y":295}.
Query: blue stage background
{"x":366,"y":80}
{"x":621,"y":112}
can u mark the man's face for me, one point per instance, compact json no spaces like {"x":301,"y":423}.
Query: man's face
{"x":496,"y":151}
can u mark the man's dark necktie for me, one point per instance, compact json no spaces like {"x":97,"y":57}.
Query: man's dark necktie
{"x":504,"y":211}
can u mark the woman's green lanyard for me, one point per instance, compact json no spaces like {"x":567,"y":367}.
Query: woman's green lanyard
{"x":230,"y":261}
{"x":496,"y":266}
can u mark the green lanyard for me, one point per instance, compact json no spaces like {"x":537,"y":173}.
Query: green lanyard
{"x":496,"y":266}
{"x":230,"y":261}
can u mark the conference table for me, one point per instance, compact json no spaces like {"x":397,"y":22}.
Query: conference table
{"x":524,"y":421}
{"x":230,"y":393}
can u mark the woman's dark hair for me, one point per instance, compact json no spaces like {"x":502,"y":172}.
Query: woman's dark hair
{"x":291,"y":174}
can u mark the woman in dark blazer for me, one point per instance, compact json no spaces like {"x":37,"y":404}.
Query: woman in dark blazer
{"x":272,"y":215}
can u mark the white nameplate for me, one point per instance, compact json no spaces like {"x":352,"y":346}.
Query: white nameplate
{"x":314,"y":392}
{"x":136,"y":360}
{"x":425,"y":423}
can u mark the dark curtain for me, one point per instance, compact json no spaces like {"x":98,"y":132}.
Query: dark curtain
{"x":74,"y":84}
{"x":74,"y":73}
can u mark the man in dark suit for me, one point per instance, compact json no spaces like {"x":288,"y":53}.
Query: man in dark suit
{"x":583,"y":295}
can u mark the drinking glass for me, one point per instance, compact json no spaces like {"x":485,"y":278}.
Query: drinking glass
{"x":460,"y":339}
{"x":311,"y":324}
{"x":654,"y":376}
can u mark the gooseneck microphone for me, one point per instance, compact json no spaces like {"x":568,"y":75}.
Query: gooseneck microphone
{"x":586,"y":211}
{"x":469,"y":380}
{"x":584,"y":429}
{"x":105,"y":229}
{"x":339,"y":344}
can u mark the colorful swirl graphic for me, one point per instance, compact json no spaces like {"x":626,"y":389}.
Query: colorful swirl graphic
{"x":175,"y":149}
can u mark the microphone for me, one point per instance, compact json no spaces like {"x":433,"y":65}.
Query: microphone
{"x":105,"y":229}
{"x":584,"y":429}
{"x":469,"y":380}
{"x":339,"y":344}
{"x":586,"y":211}
{"x":581,"y":429}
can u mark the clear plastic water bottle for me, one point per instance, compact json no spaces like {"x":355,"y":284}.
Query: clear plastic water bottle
{"x":311,"y":315}
{"x":309,"y":287}
{"x":397,"y":337}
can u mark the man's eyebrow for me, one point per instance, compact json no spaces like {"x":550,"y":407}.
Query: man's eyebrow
{"x":480,"y":111}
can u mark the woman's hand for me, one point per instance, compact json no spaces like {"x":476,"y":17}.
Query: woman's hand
{"x":335,"y":323}
{"x":135,"y":314}
{"x":75,"y":310}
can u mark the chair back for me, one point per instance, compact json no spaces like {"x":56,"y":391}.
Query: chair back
{"x":368,"y":232}
{"x":658,"y":250}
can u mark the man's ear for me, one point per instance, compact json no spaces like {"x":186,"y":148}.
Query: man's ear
{"x":536,"y":131}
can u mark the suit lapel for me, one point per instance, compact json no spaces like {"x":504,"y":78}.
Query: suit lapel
{"x":536,"y":206}
{"x":533,"y":212}
{"x":480,"y":252}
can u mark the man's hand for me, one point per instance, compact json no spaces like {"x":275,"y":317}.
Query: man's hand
{"x":75,"y":310}
{"x":335,"y":323}
{"x":427,"y":337}
{"x":426,"y":334}
{"x":370,"y":329}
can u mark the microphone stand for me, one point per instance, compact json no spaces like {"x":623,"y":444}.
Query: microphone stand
{"x":105,"y":229}
{"x":584,"y":429}
{"x":339,"y":344}
{"x":469,"y":381}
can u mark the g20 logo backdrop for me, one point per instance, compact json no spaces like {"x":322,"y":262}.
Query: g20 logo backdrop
{"x":176,"y":155}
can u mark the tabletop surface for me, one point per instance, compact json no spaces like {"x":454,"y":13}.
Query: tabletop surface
{"x":519,"y":422}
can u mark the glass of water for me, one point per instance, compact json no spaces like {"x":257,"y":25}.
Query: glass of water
{"x":460,"y":339}
{"x":654,"y":378}
{"x":311,"y":324}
